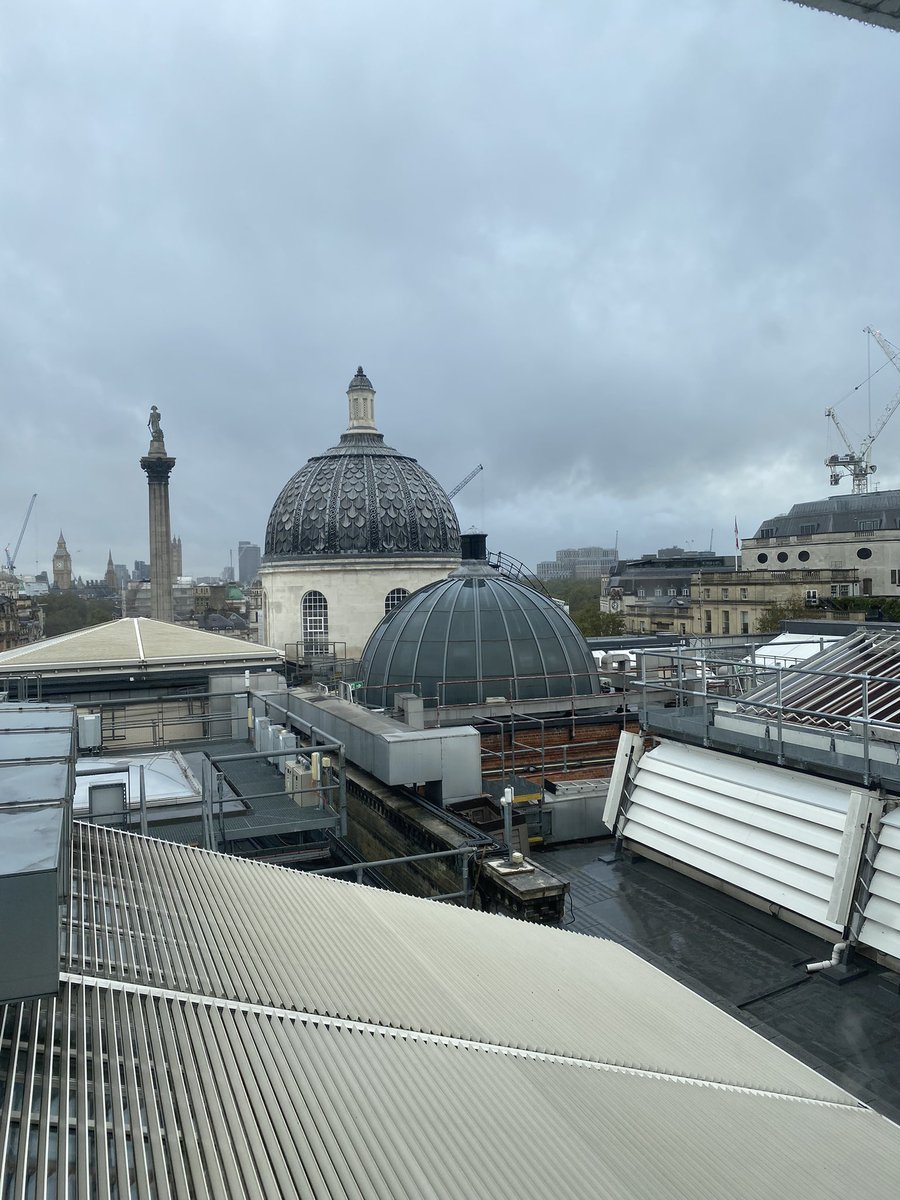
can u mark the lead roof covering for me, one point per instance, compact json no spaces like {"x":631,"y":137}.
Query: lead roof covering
{"x":362,"y":497}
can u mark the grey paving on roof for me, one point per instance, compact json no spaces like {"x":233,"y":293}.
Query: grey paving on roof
{"x":749,"y":963}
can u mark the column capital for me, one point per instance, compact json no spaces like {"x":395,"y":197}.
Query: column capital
{"x":158,"y":467}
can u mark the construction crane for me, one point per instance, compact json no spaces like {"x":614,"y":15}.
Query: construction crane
{"x":462,"y":483}
{"x":855,"y":462}
{"x":11,"y":558}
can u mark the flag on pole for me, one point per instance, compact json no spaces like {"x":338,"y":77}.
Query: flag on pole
{"x":737,"y":540}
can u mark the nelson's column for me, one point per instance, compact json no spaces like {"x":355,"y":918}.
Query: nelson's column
{"x":159,"y":466}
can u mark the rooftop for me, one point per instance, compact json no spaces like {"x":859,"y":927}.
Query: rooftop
{"x":279,"y":1034}
{"x":134,"y":643}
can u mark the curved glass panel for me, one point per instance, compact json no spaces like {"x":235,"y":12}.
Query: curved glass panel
{"x":466,"y":638}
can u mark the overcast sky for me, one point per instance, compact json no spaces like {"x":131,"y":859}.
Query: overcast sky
{"x":620,"y":253}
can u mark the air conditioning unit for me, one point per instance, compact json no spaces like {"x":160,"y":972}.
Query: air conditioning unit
{"x":302,"y":784}
{"x":286,"y":741}
{"x":261,"y":737}
{"x":275,"y":732}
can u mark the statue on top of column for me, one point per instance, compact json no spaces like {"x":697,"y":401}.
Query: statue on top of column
{"x":156,"y":433}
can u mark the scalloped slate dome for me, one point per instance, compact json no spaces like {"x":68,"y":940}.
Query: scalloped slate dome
{"x":473,"y":635}
{"x":361,"y":497}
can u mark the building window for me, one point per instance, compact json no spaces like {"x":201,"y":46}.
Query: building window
{"x":707,"y":620}
{"x":745,"y":593}
{"x":394,"y":599}
{"x":811,"y":596}
{"x":893,"y":577}
{"x":768,"y":531}
{"x":781,"y":556}
{"x":872,"y":523}
{"x":672,"y":591}
{"x":724,"y":593}
{"x":726,"y":622}
{"x":685,"y":591}
{"x":657,"y":591}
{"x":707,"y":593}
{"x":807,"y":529}
{"x":803,"y":555}
{"x":641,"y":593}
{"x":844,"y":589}
{"x":315,"y":624}
{"x":745,"y":622}
{"x":762,"y":558}
{"x":834,"y":589}
{"x":864,"y":552}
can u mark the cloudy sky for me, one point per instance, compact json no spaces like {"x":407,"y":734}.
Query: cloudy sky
{"x":621,"y":254}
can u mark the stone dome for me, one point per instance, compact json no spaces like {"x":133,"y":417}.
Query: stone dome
{"x":361,"y":497}
{"x":473,"y":635}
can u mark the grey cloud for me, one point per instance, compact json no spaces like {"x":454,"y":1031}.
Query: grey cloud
{"x":619,"y":254}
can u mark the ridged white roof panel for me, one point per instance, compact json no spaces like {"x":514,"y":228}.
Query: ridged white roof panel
{"x":241,"y":1103}
{"x":166,"y":916}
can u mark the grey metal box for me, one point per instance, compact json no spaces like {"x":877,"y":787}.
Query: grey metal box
{"x":31,"y":869}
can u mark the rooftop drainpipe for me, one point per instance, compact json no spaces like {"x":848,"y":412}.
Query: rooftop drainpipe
{"x":837,"y":957}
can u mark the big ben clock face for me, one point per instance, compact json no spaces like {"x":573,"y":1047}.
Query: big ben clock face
{"x":613,"y":606}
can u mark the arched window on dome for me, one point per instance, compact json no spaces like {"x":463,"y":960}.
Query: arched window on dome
{"x":315,"y":624}
{"x":394,"y":599}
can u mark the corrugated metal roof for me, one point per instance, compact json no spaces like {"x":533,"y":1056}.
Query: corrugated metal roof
{"x":231,"y":1029}
{"x":195,"y":922}
{"x":136,"y":642}
{"x":233,"y":1102}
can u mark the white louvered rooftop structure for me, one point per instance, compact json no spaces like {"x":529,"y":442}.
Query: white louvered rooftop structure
{"x":228,"y":1029}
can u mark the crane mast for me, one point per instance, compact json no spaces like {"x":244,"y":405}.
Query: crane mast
{"x":11,"y":558}
{"x":857,"y":461}
{"x":462,"y":483}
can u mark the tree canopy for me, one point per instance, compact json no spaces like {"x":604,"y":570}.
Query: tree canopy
{"x":65,"y":612}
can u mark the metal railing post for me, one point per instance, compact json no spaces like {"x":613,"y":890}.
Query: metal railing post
{"x":342,"y":791}
{"x":865,"y":736}
{"x":779,"y":721}
{"x":143,"y":801}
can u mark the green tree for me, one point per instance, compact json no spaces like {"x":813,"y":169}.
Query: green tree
{"x":594,"y":623}
{"x":794,"y":608}
{"x":65,"y":612}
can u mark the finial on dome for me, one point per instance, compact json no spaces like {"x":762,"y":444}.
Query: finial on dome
{"x":361,"y":396}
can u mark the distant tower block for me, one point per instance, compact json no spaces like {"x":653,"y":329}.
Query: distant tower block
{"x":158,"y":466}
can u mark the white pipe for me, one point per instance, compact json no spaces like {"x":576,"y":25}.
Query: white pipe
{"x":840,"y":949}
